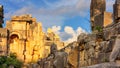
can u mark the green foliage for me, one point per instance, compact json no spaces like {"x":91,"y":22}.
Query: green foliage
{"x":99,"y":28}
{"x":6,"y":61}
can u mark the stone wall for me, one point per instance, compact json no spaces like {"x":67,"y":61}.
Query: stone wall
{"x":111,"y":31}
{"x":3,"y":41}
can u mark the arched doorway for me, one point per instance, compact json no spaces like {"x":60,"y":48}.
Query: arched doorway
{"x":14,"y":38}
{"x":14,"y":43}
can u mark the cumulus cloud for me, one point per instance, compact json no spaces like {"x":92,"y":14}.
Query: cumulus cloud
{"x":73,"y":33}
{"x":69,"y":34}
{"x":69,"y":30}
{"x":56,"y":29}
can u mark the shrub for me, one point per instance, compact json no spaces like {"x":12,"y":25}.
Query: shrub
{"x":6,"y":61}
{"x":99,"y":28}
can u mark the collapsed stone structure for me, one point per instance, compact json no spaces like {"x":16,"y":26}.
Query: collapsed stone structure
{"x":23,"y":36}
{"x":102,"y":47}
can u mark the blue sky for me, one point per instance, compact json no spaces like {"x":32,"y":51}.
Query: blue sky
{"x":68,"y":18}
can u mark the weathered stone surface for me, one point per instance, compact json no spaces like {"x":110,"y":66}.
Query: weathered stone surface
{"x":109,"y":46}
{"x":116,"y":50}
{"x":104,"y":65}
{"x":108,"y":34}
{"x":55,"y":59}
{"x":81,"y":38}
{"x":97,"y":7}
{"x":73,"y":58}
{"x":60,"y":60}
{"x":116,"y":11}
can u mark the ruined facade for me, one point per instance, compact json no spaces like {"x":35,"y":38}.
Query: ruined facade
{"x":24,"y":37}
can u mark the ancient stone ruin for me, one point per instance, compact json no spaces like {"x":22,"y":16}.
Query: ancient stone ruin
{"x":23,"y":36}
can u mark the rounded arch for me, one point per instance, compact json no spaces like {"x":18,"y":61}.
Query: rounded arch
{"x":15,"y":34}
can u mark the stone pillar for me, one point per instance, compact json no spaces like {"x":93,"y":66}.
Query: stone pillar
{"x":97,"y":7}
{"x":116,"y":11}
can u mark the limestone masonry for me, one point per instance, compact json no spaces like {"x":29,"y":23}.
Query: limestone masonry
{"x":24,"y":37}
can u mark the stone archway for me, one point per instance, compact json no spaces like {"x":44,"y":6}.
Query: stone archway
{"x":14,"y":43}
{"x":14,"y":38}
{"x":15,"y":34}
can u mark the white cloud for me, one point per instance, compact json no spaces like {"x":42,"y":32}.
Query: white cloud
{"x":56,"y":29}
{"x":69,"y":30}
{"x":74,"y":33}
{"x":69,"y":34}
{"x":80,"y":30}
